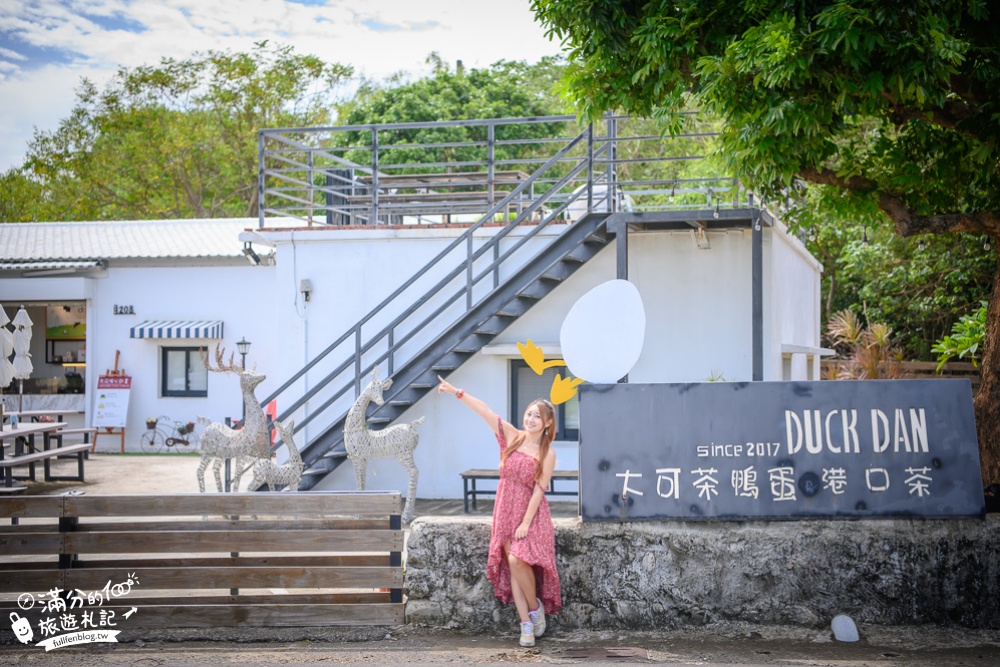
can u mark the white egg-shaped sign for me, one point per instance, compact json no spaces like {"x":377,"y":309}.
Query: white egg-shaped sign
{"x":602,"y":335}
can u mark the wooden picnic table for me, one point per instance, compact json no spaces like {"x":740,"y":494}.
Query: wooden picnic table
{"x":34,"y":415}
{"x":23,"y":435}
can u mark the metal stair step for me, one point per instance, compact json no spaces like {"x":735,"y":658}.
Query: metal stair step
{"x":559,"y":271}
{"x":535,"y":290}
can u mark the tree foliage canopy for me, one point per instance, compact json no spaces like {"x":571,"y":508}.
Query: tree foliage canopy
{"x":897,"y":102}
{"x":886,"y":109}
{"x":170,"y":141}
{"x":506,"y":89}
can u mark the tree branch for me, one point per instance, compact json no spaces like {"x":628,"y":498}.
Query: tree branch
{"x":823,"y":176}
{"x":906,"y":222}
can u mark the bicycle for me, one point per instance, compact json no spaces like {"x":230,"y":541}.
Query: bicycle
{"x":164,"y":432}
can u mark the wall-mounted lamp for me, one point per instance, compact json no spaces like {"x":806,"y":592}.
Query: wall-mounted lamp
{"x":701,"y":238}
{"x":306,"y":287}
{"x":251,"y":256}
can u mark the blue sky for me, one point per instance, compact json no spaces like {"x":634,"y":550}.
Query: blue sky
{"x":47,"y":46}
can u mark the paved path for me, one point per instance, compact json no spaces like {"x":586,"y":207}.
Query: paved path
{"x":735,"y":645}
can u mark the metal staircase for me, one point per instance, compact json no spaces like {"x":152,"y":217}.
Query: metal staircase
{"x":471,"y":292}
{"x":464,"y":338}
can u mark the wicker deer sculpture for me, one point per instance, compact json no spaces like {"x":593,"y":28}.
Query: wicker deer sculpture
{"x":221,"y":442}
{"x":397,"y":441}
{"x":273,"y":473}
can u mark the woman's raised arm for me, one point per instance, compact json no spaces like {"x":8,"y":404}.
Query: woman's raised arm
{"x":470,"y":402}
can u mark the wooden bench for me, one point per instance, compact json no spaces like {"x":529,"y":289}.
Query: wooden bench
{"x":21,"y":439}
{"x":66,"y":436}
{"x":470,"y":490}
{"x":45,"y":456}
{"x":202,"y":560}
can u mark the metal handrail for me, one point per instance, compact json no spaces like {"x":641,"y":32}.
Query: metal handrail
{"x":355,"y":330}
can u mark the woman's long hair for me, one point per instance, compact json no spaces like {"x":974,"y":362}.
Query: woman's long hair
{"x":548,"y":435}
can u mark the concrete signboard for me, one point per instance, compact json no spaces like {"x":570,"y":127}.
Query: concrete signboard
{"x":731,"y":450}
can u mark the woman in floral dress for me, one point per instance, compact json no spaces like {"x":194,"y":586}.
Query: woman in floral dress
{"x":522,"y":558}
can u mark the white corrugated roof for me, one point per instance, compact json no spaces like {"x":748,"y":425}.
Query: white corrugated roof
{"x":148,"y":239}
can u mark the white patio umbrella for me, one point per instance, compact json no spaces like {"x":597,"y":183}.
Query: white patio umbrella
{"x":6,"y":349}
{"x":22,"y":343}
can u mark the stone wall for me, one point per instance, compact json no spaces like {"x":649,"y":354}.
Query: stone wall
{"x":667,"y":575}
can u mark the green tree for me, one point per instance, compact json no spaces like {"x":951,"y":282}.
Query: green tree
{"x":19,"y":195}
{"x":506,"y":89}
{"x":893,"y":104}
{"x":916,"y":286}
{"x":965,"y":339}
{"x":176,"y":140}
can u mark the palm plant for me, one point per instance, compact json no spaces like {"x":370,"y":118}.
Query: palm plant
{"x":869,"y":352}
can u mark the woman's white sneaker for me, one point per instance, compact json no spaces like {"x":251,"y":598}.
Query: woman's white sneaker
{"x":527,"y":634}
{"x":538,"y":618}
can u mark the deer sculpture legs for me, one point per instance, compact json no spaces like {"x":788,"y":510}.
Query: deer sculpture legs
{"x":397,"y":441}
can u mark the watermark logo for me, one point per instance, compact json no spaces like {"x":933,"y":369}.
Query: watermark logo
{"x":68,"y":618}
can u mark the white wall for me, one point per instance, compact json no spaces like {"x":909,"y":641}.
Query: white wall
{"x":794,"y":316}
{"x":698,"y":309}
{"x":239,"y":295}
{"x":697,"y":301}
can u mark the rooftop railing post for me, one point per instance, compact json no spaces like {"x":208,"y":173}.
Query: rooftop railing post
{"x":590,"y":167}
{"x":490,"y":158}
{"x":311,"y":186}
{"x":260,"y":179}
{"x":612,"y":155}
{"x":374,"y":220}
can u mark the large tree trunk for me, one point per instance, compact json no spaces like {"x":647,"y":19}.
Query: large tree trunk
{"x":987,"y":401}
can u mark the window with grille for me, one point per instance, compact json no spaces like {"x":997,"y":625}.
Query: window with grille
{"x":182,"y":373}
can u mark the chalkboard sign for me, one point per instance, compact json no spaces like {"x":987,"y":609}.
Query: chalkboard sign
{"x":731,"y":450}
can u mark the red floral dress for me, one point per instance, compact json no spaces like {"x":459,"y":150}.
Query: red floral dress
{"x":517,"y":480}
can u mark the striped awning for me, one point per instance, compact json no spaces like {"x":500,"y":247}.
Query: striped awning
{"x":178,"y":329}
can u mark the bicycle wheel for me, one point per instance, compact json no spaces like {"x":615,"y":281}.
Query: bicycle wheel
{"x":151,"y":442}
{"x":194,"y":442}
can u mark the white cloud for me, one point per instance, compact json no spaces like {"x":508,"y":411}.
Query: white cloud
{"x":11,"y":55}
{"x":377,"y":37}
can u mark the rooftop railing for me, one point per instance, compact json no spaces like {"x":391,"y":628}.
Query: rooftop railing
{"x":456,"y":171}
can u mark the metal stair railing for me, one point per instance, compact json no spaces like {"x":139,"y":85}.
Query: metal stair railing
{"x":388,"y":332}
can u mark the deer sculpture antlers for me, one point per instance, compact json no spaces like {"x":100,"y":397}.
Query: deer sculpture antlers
{"x":221,"y":366}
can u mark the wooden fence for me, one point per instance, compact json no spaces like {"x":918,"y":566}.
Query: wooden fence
{"x":923,"y":370}
{"x":206,"y":560}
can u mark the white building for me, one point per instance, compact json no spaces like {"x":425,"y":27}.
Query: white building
{"x":313,"y":284}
